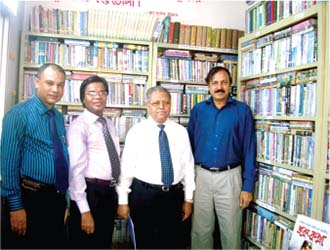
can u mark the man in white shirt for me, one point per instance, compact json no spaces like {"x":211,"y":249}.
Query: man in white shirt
{"x":157,"y":210}
{"x":91,"y":177}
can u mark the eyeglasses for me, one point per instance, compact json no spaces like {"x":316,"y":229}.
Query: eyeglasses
{"x":95,"y":93}
{"x":160,"y":103}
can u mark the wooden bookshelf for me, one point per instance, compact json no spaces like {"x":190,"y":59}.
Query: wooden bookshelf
{"x":129,"y":73}
{"x":182,"y":70}
{"x":314,"y":109}
{"x":325,"y":154}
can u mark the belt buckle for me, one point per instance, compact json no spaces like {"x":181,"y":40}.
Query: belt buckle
{"x":214,"y":169}
{"x":113,"y":183}
{"x":165,"y":189}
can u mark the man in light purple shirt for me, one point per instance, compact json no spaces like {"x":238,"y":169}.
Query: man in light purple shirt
{"x":91,"y":181}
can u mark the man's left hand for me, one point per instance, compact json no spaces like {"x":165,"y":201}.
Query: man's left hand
{"x":245,"y":199}
{"x":186,"y":210}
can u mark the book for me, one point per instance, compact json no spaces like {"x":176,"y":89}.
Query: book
{"x":187,"y":36}
{"x":234,"y":43}
{"x":309,"y":233}
{"x":176,"y":35}
{"x":199,"y":35}
{"x":229,"y":38}
{"x":193,"y":33}
{"x":166,"y":28}
{"x":223,"y":38}
{"x":171,"y":33}
{"x":131,"y":231}
{"x":182,"y":33}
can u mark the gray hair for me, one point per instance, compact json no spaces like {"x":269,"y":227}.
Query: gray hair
{"x":154,"y":89}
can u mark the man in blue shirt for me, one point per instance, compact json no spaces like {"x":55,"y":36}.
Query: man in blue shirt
{"x":222,"y":135}
{"x":35,"y":205}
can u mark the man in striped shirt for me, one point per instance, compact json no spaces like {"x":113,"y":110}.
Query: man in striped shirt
{"x":34,"y":207}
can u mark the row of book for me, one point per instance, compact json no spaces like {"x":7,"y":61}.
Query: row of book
{"x":123,"y":119}
{"x":86,"y":54}
{"x":267,"y":228}
{"x":175,"y":32}
{"x":130,"y":25}
{"x":185,"y":96}
{"x":101,"y":23}
{"x":188,"y":69}
{"x":286,"y":190}
{"x":290,"y":94}
{"x":267,"y":12}
{"x":127,"y":90}
{"x":293,"y":46}
{"x":124,"y":90}
{"x":283,"y":142}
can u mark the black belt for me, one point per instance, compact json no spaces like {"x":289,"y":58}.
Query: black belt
{"x":36,"y":186}
{"x":219,"y":169}
{"x":159,"y":187}
{"x":99,"y":182}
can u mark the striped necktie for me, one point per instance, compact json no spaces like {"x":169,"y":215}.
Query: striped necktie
{"x":60,"y":163}
{"x":113,"y":155}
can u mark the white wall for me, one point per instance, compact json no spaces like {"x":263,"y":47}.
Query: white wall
{"x":12,"y":26}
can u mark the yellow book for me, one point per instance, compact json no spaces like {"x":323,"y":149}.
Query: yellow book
{"x":229,"y":38}
{"x":209,"y":37}
{"x":199,"y":35}
{"x":193,"y":33}
{"x":222,"y":43}
{"x":187,"y":36}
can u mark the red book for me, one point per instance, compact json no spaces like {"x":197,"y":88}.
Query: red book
{"x":171,"y":33}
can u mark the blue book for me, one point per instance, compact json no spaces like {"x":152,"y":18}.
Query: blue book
{"x":131,"y":231}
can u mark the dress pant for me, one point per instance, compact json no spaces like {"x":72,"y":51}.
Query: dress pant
{"x":157,"y":216}
{"x":103,"y":203}
{"x":45,"y":211}
{"x":217,"y":194}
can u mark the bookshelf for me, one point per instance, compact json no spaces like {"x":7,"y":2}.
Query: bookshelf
{"x":325,"y":154}
{"x":285,"y":83}
{"x":125,"y":64}
{"x":182,"y":69}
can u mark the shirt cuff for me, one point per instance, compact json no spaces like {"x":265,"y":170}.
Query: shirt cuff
{"x":83,"y":206}
{"x":248,"y":186}
{"x":188,"y":195}
{"x":15,"y":203}
{"x":122,"y":199}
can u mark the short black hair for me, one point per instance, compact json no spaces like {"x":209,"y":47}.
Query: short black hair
{"x":151,"y":90}
{"x":89,"y":80}
{"x":54,"y":66}
{"x":215,"y":70}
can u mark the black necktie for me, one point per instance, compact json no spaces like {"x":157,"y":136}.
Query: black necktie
{"x":165,"y":158}
{"x":113,"y":155}
{"x":60,"y":163}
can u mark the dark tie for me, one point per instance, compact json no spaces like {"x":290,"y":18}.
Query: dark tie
{"x":61,"y":165}
{"x":165,"y":158}
{"x":113,"y":155}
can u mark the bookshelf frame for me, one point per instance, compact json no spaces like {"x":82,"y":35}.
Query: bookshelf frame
{"x":321,"y":119}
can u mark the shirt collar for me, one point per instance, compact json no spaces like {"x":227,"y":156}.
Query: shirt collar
{"x":41,"y":107}
{"x":90,"y":117}
{"x":153,"y":122}
{"x":230,"y":100}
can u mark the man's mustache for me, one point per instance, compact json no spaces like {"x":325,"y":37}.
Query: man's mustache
{"x":220,"y":90}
